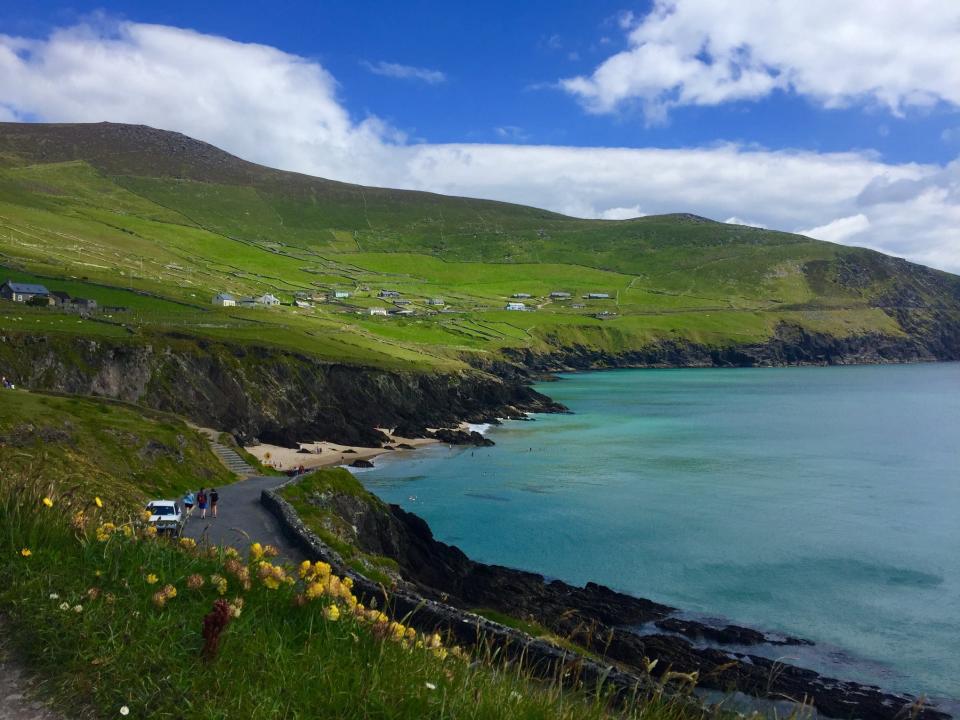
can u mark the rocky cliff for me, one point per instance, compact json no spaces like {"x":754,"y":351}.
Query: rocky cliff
{"x":256,"y":392}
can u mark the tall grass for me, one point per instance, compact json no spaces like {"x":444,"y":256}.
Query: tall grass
{"x":83,"y":600}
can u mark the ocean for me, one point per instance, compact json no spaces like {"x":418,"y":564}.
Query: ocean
{"x":819,"y":502}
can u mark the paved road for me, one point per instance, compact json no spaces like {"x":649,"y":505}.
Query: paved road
{"x":243,"y":520}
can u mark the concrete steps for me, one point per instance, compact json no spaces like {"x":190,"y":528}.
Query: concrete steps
{"x":232,"y":460}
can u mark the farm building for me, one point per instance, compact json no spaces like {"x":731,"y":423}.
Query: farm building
{"x":560,"y":295}
{"x":598,"y":296}
{"x":381,"y":311}
{"x":521,"y":296}
{"x":246,"y":302}
{"x":302,"y":303}
{"x":388,"y":294}
{"x":515,"y":306}
{"x":338,"y":295}
{"x":267,"y":300}
{"x":436,"y":301}
{"x":224,"y":300}
{"x":23,"y":292}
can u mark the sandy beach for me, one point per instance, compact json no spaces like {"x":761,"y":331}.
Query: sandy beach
{"x":329,"y":453}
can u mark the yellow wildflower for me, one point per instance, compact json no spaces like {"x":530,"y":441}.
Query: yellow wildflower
{"x":105,"y":531}
{"x":150,"y":531}
{"x":127,"y":531}
{"x":332,"y":612}
{"x":231,"y":552}
{"x":48,"y":502}
{"x":98,"y":501}
{"x":256,"y":551}
{"x":304,"y":569}
{"x":188,"y":543}
{"x":220,"y":583}
{"x":26,"y":552}
{"x":151,"y":579}
{"x":348,"y":583}
{"x":78,"y":520}
{"x":270,"y":551}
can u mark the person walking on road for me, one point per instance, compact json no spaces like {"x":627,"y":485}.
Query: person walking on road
{"x":202,"y":503}
{"x":214,"y":499}
{"x":189,"y":500}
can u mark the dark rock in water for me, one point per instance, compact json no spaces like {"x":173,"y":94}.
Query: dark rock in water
{"x":361,"y":464}
{"x":350,"y":450}
{"x":405,"y":446}
{"x":726,"y":635}
{"x":304,"y":451}
{"x":461,"y":437}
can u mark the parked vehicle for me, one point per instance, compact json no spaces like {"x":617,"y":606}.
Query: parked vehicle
{"x":167,"y":516}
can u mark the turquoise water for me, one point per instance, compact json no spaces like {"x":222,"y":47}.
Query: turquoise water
{"x":821,"y":502}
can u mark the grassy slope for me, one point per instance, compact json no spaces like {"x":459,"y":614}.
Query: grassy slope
{"x":282,"y":657}
{"x":124,"y":454}
{"x":138,"y":225}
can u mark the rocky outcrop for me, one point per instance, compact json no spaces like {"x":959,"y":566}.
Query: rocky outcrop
{"x":255,"y":392}
{"x":622,"y":629}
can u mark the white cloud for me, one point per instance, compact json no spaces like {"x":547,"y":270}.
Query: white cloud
{"x":621,"y":213}
{"x":406,"y":72}
{"x":701,"y":52}
{"x":734,"y":220}
{"x":282,"y":110}
{"x":840,"y":229}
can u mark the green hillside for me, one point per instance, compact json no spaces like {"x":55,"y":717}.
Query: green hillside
{"x":156,"y":223}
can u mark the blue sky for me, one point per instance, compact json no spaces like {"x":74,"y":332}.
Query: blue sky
{"x":790,"y":114}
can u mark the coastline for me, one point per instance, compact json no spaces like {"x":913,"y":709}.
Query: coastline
{"x":321,"y":454}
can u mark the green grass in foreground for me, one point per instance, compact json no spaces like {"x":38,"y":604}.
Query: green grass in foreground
{"x":84,"y":618}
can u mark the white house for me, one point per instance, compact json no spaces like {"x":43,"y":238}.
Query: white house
{"x":339,"y":295}
{"x":378,"y":311}
{"x":435,"y":301}
{"x":267,"y":300}
{"x":516,"y":306}
{"x":302,"y":303}
{"x":598,"y":296}
{"x":224,"y":300}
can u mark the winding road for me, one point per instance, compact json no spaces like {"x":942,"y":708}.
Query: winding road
{"x":243,"y":520}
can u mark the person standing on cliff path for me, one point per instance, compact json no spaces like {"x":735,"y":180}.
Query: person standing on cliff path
{"x":214,"y":499}
{"x":189,"y":500}
{"x":202,"y":503}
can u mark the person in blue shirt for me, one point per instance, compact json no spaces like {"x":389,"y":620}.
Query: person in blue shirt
{"x":189,"y":500}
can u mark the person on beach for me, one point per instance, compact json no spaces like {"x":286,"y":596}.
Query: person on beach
{"x":202,"y":503}
{"x":214,"y":499}
{"x":189,"y":500}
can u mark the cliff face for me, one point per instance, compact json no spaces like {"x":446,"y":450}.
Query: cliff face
{"x":259,"y":393}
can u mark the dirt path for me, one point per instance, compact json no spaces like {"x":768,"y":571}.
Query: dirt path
{"x":16,"y":702}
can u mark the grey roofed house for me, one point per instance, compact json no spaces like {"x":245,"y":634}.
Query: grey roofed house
{"x":559,"y":294}
{"x":22,"y":292}
{"x":521,"y":296}
{"x":84,"y":304}
{"x":61,"y":297}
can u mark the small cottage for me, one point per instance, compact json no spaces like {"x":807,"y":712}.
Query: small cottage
{"x":267,"y":300}
{"x":521,"y":296}
{"x":339,"y":295}
{"x":516,"y":306}
{"x":436,"y":301}
{"x":23,"y":292}
{"x":381,"y":311}
{"x":388,"y":294}
{"x":598,"y":296}
{"x":224,"y":300}
{"x":560,"y":295}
